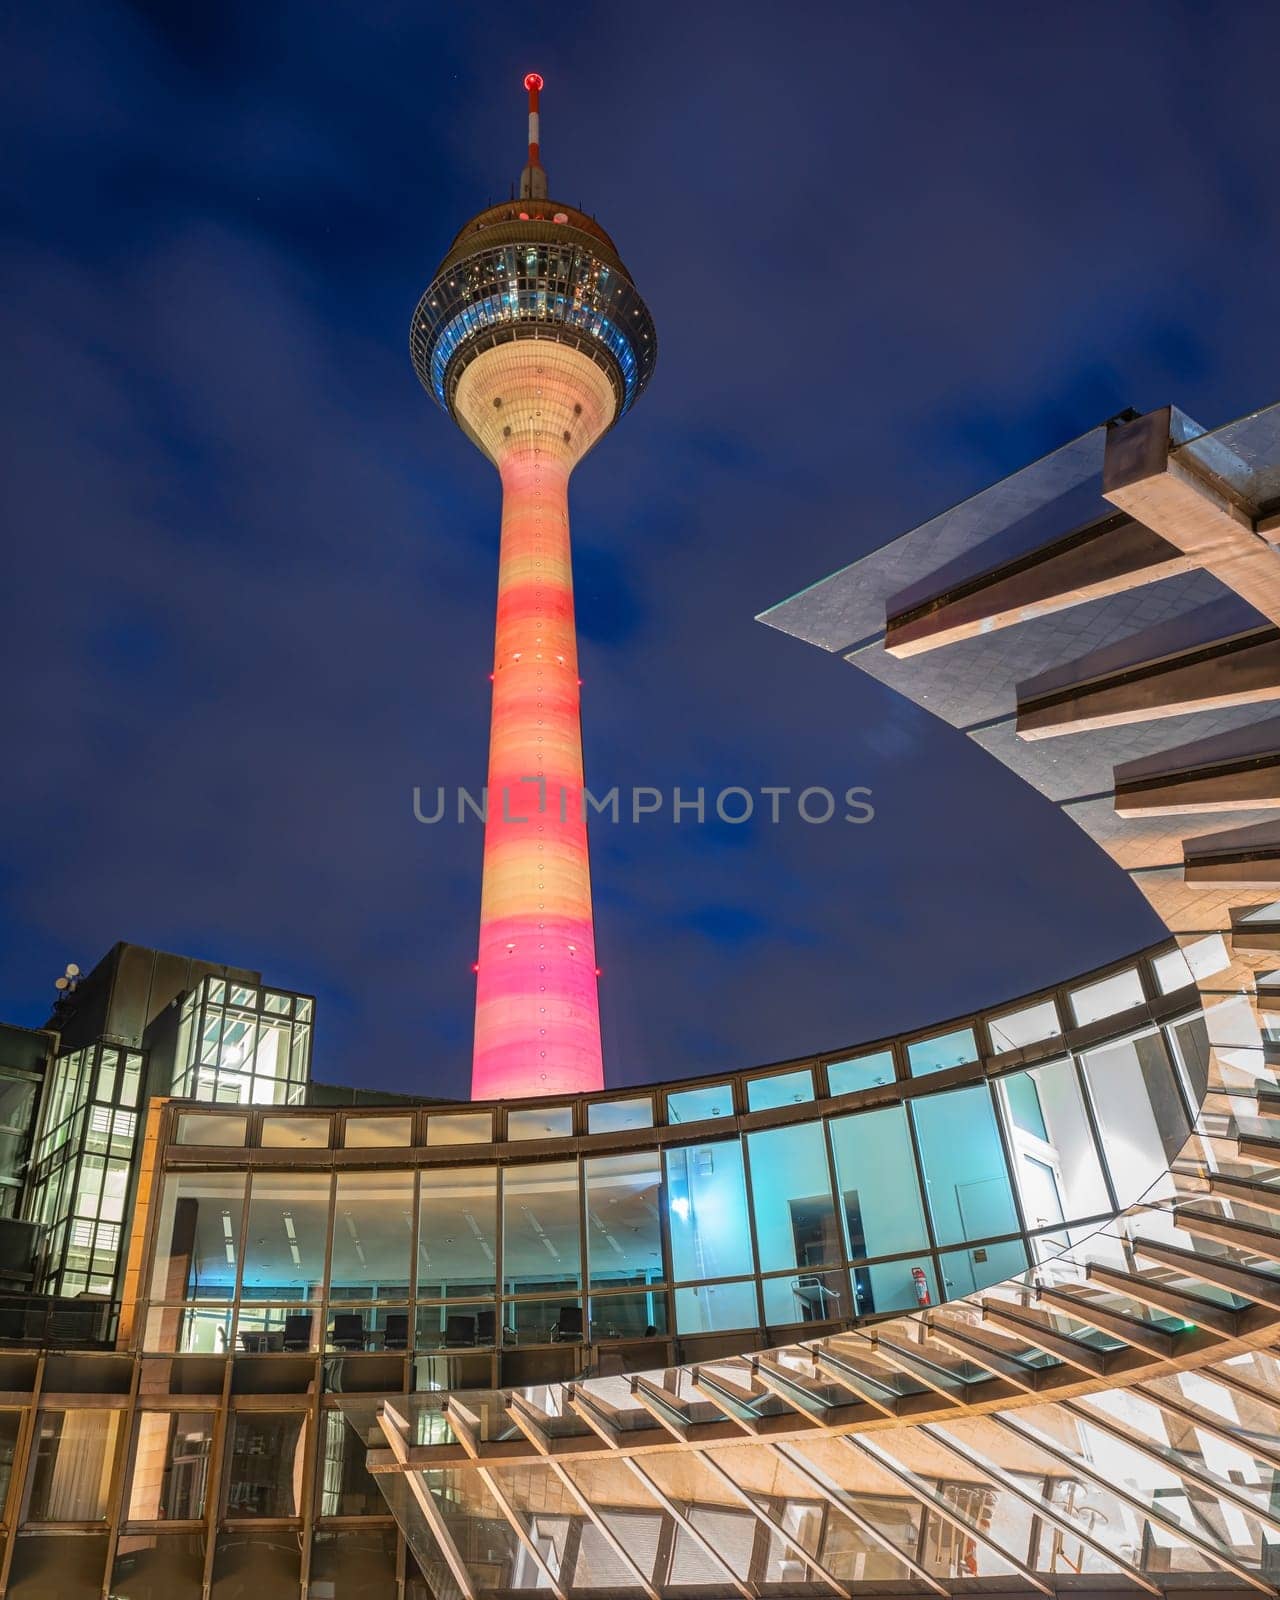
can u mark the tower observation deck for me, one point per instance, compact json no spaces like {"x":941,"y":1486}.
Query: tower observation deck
{"x":533,"y":338}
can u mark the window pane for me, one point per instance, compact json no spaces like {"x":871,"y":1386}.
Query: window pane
{"x":701,"y":1104}
{"x":715,"y":1307}
{"x":1055,"y":1161}
{"x":707,"y":1212}
{"x":615,"y":1116}
{"x":460,"y":1127}
{"x":964,"y":1271}
{"x":458,"y":1232}
{"x":540,"y":1246}
{"x":943,"y":1051}
{"x":628,"y":1316}
{"x":74,"y":1456}
{"x":267,"y":1454}
{"x":1139,"y":1111}
{"x":624,"y":1231}
{"x":1016,"y":1029}
{"x":1191,"y":1050}
{"x":288,"y":1221}
{"x":791,"y":1197}
{"x":346,"y":1487}
{"x":158,"y":1566}
{"x":805,"y":1297}
{"x":1172,"y":971}
{"x":965,"y":1176}
{"x":540,"y":1122}
{"x":354,"y":1565}
{"x":68,"y":1567}
{"x":310,"y":1133}
{"x":372,"y":1236}
{"x":555,"y":1321}
{"x":197,"y":1236}
{"x":200,"y":1127}
{"x":9,"y":1423}
{"x":1107,"y":998}
{"x":876,"y":1178}
{"x":266,"y":1329}
{"x":459,"y":1325}
{"x":782,"y":1089}
{"x":269,"y":1567}
{"x":367,"y":1132}
{"x":895,"y":1286}
{"x":170,"y":1466}
{"x":861,"y":1072}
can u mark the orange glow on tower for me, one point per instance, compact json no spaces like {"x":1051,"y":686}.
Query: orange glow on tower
{"x":534,"y":339}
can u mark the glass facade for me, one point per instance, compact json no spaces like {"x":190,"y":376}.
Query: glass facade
{"x":83,"y":1165}
{"x":241,"y":1044}
{"x":820,"y":1218}
{"x":564,"y":288}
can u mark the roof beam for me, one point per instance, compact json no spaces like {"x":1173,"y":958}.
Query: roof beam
{"x":1241,"y":670}
{"x":1153,"y":478}
{"x":1251,"y":783}
{"x":1104,"y":557}
{"x":1164,"y":1297}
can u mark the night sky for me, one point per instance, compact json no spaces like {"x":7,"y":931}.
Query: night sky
{"x":893,"y":252}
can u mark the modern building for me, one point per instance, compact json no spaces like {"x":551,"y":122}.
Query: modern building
{"x":989,"y":1308}
{"x":532,"y":336}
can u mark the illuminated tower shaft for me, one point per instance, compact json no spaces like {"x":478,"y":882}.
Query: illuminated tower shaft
{"x":532,"y":336}
{"x":535,"y":408}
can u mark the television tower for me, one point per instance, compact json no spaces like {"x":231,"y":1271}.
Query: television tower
{"x":533,"y":338}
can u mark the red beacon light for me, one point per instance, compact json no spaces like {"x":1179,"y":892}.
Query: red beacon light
{"x":533,"y":80}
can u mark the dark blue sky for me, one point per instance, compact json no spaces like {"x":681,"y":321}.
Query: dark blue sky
{"x":893,"y":252}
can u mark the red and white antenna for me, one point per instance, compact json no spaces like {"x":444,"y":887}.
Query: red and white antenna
{"x":533,"y":180}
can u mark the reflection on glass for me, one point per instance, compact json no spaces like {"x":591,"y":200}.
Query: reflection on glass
{"x":372,"y":1236}
{"x":9,"y":1424}
{"x":1054,"y":1158}
{"x":266,"y":1463}
{"x":616,"y":1116}
{"x":155,"y":1566}
{"x":876,"y":1179}
{"x":284,"y":1248}
{"x":378,"y":1132}
{"x":1190,"y":1040}
{"x":1121,"y":992}
{"x":1017,"y":1029}
{"x":1140,"y":1114}
{"x":780,"y":1089}
{"x":624,"y":1227}
{"x":294,"y":1132}
{"x":193,"y":1329}
{"x":860,"y":1072}
{"x":700,"y":1104}
{"x":963,"y":1271}
{"x":170,"y":1466}
{"x":540,"y":1122}
{"x":460,"y":1127}
{"x":791,"y":1197}
{"x":74,"y":1454}
{"x":457,"y":1232}
{"x":211,"y":1127}
{"x":707,"y":1211}
{"x":942,"y":1051}
{"x":346,"y":1487}
{"x":355,"y":1565}
{"x":717,"y":1307}
{"x":540,"y":1244}
{"x":197,"y":1236}
{"x":965,"y":1175}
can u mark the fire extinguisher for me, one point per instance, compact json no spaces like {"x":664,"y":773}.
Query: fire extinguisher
{"x":921,"y":1285}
